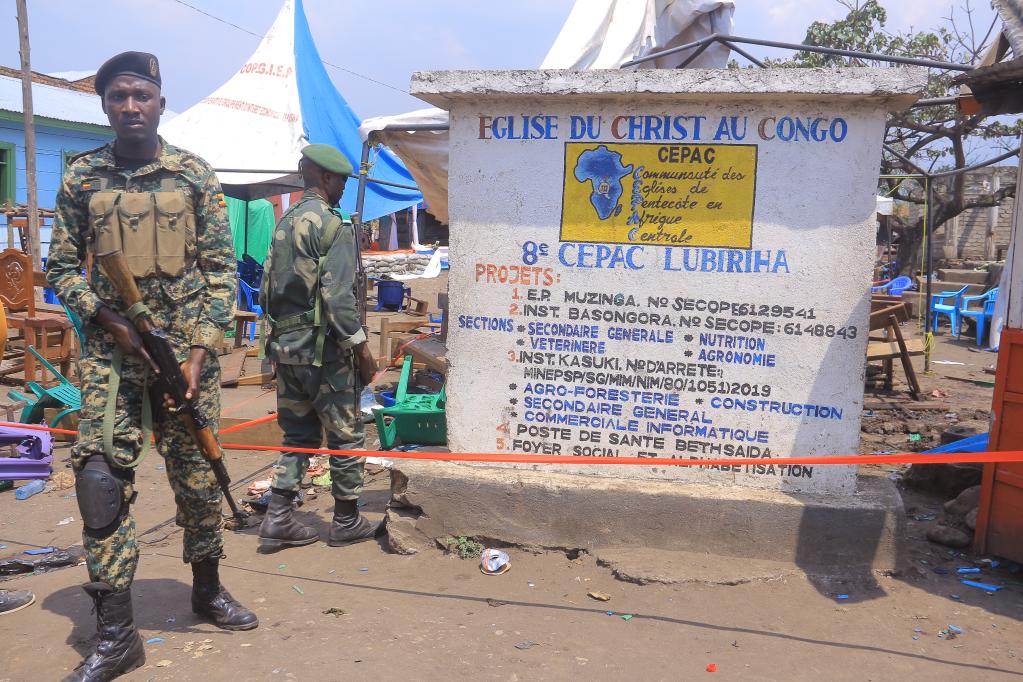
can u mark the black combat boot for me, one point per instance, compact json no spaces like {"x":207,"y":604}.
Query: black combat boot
{"x":211,"y":601}
{"x":279,"y":528}
{"x":119,"y":649}
{"x":349,"y":526}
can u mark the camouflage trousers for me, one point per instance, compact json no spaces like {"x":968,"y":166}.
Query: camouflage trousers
{"x":311,"y":401}
{"x":113,"y":559}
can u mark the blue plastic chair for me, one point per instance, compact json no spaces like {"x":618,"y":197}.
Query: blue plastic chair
{"x":251,"y":296}
{"x":980,"y":317}
{"x":939,"y":306}
{"x":894,"y":287}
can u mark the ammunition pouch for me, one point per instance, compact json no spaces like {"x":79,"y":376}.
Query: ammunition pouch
{"x":154,"y":230}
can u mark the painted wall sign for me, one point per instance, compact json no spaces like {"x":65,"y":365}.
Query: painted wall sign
{"x":662,"y":276}
{"x":667,"y":194}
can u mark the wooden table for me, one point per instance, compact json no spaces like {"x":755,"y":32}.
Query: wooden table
{"x":431,"y":352}
{"x":241,"y":317}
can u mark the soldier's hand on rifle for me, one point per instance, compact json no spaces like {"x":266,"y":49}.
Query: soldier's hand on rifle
{"x":366,"y":362}
{"x":192,"y":369}
{"x":125,"y":335}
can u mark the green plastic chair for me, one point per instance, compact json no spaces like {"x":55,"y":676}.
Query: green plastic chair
{"x":64,"y":394}
{"x":414,"y":419}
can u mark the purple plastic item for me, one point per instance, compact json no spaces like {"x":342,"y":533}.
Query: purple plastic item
{"x":35,"y":448}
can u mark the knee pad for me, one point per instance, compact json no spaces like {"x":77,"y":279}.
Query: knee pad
{"x":100,"y":497}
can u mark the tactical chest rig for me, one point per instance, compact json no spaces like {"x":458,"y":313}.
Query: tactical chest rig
{"x":154,"y":230}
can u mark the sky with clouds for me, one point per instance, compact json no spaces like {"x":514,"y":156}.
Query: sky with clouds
{"x":382,"y":40}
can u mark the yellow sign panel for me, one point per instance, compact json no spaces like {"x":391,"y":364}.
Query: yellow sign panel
{"x":659,"y":194}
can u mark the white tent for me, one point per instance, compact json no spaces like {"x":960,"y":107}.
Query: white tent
{"x":278,"y":102}
{"x":598,"y":34}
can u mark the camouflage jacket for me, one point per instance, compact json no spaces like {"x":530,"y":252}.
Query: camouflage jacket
{"x":289,"y":282}
{"x":214,"y":272}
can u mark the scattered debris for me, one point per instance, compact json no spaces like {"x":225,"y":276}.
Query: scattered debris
{"x":164,"y":663}
{"x":599,"y":596}
{"x":712,"y":667}
{"x":967,"y":569}
{"x":914,"y":438}
{"x":939,"y":393}
{"x":29,"y":489}
{"x":297,"y":589}
{"x":842,"y":597}
{"x":526,"y":645}
{"x":334,"y":611}
{"x":495,"y":602}
{"x":946,"y":362}
{"x":62,"y":480}
{"x":981,"y":586}
{"x":364,"y":569}
{"x":259,"y":487}
{"x":950,"y":632}
{"x":154,"y":640}
{"x":627,"y":616}
{"x":66,"y":521}
{"x":44,"y":550}
{"x":494,"y":562}
{"x":323,"y":479}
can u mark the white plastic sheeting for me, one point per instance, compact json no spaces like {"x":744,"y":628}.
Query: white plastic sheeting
{"x":598,"y":34}
{"x":425,"y":152}
{"x":604,"y":34}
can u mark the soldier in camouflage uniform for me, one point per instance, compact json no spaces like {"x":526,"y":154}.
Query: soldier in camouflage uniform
{"x":163,"y":208}
{"x":319,"y":349}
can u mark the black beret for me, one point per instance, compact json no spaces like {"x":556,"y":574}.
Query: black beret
{"x":140,"y":64}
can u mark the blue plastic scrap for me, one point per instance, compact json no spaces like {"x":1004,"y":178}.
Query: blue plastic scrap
{"x":44,"y":550}
{"x":966,"y":569}
{"x":842,"y":596}
{"x":981,"y":586}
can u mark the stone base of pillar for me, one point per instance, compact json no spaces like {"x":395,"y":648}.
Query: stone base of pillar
{"x":649,"y":531}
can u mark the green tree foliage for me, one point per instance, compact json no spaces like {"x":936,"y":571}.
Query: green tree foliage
{"x":934,"y":138}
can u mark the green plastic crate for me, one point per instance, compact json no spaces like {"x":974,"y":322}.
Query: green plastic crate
{"x":414,"y":419}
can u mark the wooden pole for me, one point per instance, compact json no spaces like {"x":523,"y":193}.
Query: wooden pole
{"x":34,"y":248}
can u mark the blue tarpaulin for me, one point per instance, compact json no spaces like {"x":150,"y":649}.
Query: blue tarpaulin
{"x":327,"y":118}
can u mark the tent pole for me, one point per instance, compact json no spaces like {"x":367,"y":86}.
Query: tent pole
{"x":928,"y":218}
{"x":361,"y":284}
{"x":245,"y":238}
{"x":360,"y":198}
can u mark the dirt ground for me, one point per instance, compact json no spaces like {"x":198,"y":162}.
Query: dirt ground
{"x":333,"y":614}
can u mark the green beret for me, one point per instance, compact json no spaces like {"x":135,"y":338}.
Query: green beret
{"x":328,"y":158}
{"x":140,"y":64}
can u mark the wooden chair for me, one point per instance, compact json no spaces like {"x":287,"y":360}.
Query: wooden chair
{"x":50,"y":332}
{"x":885,"y":317}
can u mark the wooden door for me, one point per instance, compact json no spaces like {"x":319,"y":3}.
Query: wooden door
{"x":1000,"y":516}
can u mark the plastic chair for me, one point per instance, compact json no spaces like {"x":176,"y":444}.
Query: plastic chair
{"x":63,"y":394}
{"x":414,"y":418}
{"x":894,"y":287}
{"x":979,"y":317}
{"x":940,"y":307}
{"x":250,"y":304}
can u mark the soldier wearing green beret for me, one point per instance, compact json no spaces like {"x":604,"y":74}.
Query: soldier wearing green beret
{"x":162,"y":207}
{"x":318,"y":346}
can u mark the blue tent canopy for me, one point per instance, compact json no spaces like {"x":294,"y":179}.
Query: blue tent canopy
{"x":327,"y":118}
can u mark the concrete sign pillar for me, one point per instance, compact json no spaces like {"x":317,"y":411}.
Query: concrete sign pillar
{"x":664,"y":264}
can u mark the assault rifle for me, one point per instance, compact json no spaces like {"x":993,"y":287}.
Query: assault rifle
{"x":171,"y":381}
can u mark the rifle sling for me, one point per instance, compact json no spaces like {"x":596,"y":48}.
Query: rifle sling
{"x":110,"y":413}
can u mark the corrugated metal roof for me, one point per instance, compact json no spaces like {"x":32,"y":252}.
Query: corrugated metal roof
{"x":53,"y":102}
